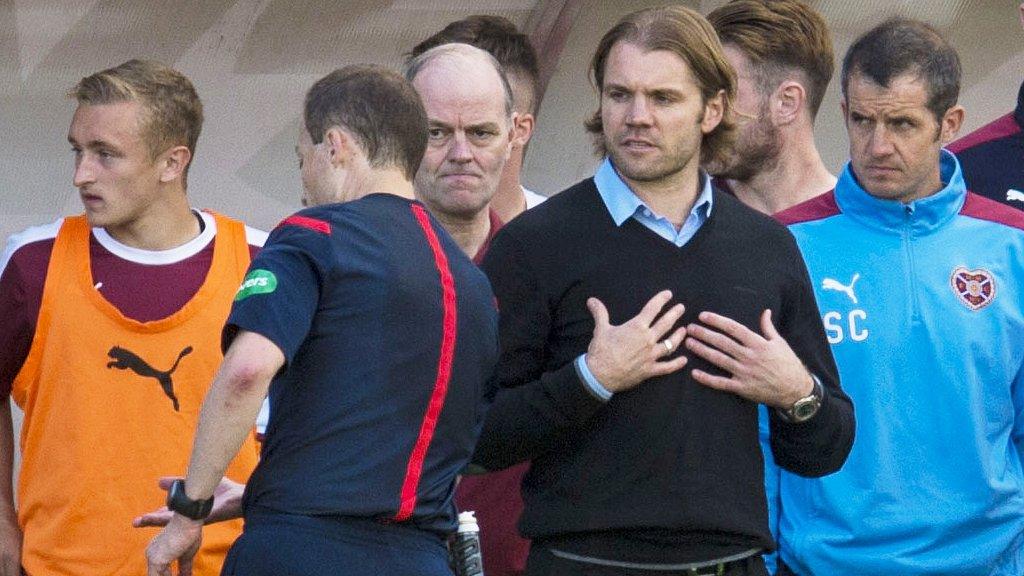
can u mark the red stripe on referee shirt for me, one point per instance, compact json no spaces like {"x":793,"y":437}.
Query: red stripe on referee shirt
{"x":414,"y":469}
{"x":307,"y":222}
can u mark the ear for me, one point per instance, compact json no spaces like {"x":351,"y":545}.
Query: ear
{"x":173,"y":163}
{"x":788,"y":102}
{"x":714,"y":110}
{"x":513,"y":134}
{"x":843,"y":108}
{"x":523,"y":129}
{"x":952,"y":120}
{"x":341,"y":146}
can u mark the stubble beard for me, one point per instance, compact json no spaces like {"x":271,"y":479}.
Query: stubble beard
{"x":667,"y":165}
{"x":758,"y":153}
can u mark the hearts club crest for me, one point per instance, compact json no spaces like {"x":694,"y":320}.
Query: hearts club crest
{"x":975,"y":288}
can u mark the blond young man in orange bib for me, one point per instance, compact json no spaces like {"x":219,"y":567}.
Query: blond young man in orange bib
{"x":111,"y":335}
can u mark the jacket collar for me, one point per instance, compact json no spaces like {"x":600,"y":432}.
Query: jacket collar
{"x":921,"y":216}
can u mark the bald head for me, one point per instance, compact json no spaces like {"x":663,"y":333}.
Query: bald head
{"x":462,"y":62}
{"x":469,"y":112}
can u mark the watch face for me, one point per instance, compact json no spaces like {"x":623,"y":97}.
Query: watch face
{"x":805,"y":408}
{"x":804,"y":411}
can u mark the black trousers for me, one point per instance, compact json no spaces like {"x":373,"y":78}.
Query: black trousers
{"x":542,"y":562}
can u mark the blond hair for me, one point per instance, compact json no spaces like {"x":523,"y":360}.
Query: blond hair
{"x":172,"y":111}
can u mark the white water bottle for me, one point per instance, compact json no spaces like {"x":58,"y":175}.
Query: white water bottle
{"x":467,"y":558}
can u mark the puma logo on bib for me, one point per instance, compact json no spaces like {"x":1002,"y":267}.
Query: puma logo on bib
{"x":124,"y":359}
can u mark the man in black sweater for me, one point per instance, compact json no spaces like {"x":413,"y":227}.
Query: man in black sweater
{"x":645,"y":457}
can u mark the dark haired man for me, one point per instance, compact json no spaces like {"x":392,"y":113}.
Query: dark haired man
{"x":916,"y":281}
{"x":992,"y":157}
{"x":638,"y":464}
{"x":512,"y":49}
{"x":782,"y":53}
{"x":109,"y":334}
{"x":376,"y":336}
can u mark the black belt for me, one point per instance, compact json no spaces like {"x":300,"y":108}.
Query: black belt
{"x":691,"y":569}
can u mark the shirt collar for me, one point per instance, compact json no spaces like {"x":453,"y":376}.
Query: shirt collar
{"x":923,"y":214}
{"x":622,"y":203}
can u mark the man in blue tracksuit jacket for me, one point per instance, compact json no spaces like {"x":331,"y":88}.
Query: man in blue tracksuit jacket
{"x":919,"y":286}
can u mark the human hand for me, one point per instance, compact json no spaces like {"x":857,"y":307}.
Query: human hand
{"x":10,"y":548}
{"x":180,"y":541}
{"x":622,"y":356}
{"x":762,"y":367}
{"x":227,"y":504}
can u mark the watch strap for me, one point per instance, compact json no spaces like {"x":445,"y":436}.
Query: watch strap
{"x":178,"y":501}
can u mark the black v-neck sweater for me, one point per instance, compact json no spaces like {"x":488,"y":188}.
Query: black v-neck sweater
{"x":670,"y":471}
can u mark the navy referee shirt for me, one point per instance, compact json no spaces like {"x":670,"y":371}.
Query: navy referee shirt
{"x":390,"y":338}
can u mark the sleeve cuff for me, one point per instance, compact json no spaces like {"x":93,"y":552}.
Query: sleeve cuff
{"x":589,"y":381}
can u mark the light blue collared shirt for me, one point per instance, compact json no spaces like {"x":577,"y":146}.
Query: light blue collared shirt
{"x":622,"y":204}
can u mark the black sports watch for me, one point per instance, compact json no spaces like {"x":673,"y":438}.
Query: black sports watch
{"x":178,"y":502}
{"x":805,"y":408}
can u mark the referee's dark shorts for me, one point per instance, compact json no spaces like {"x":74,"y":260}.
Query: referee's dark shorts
{"x":296,"y":545}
